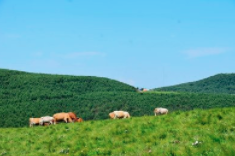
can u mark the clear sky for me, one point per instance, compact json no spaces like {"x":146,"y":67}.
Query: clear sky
{"x":145,"y":43}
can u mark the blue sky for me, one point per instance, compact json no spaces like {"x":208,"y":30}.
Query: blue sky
{"x":145,"y":43}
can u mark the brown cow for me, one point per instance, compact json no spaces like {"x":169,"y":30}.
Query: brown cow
{"x":73,"y":116}
{"x":62,"y":117}
{"x":34,"y":121}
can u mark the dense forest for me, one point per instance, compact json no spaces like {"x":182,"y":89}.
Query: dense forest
{"x":221,"y":83}
{"x":24,"y":95}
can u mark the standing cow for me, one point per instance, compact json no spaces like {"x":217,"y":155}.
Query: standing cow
{"x":160,"y":111}
{"x":46,"y":119}
{"x":34,"y":121}
{"x":62,"y":117}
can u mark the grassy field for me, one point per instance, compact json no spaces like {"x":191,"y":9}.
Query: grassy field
{"x":172,"y":134}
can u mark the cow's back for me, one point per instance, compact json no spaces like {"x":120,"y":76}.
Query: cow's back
{"x":119,"y":114}
{"x":34,"y":120}
{"x":60,"y":116}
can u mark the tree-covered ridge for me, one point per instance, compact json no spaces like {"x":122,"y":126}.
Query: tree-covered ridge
{"x":20,"y":83}
{"x":97,"y":105}
{"x":221,"y":83}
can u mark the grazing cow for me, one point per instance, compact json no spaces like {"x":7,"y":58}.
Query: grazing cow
{"x":46,"y":119}
{"x":73,"y":116}
{"x":34,"y":121}
{"x":79,"y":120}
{"x":112,"y":115}
{"x":121,"y":114}
{"x":62,"y":117}
{"x":160,"y":111}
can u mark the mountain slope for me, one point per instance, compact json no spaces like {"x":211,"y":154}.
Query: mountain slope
{"x":221,"y":83}
{"x":16,"y":82}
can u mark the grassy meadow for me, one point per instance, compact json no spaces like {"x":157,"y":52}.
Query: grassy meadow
{"x":171,"y":134}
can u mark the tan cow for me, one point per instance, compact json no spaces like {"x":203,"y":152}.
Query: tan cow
{"x":121,"y":114}
{"x":160,"y":111}
{"x":34,"y":121}
{"x":62,"y":117}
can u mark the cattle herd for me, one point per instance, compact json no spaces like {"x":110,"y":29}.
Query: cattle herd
{"x":71,"y":117}
{"x":58,"y":117}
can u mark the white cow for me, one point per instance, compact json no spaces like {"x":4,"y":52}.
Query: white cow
{"x":46,"y":119}
{"x":121,"y":114}
{"x":160,"y":111}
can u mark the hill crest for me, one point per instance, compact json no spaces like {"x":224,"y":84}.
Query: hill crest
{"x":219,"y":83}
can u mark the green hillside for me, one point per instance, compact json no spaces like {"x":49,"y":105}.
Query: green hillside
{"x":36,"y":86}
{"x":24,"y":95}
{"x":221,"y":83}
{"x":172,"y":134}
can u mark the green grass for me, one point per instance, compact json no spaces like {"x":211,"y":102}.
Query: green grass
{"x":172,"y":134}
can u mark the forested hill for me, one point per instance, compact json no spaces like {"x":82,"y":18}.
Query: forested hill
{"x":32,"y":85}
{"x":221,"y":83}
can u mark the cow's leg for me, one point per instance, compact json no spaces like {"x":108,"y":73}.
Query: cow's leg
{"x":70,"y":120}
{"x":65,"y":120}
{"x":33,"y":124}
